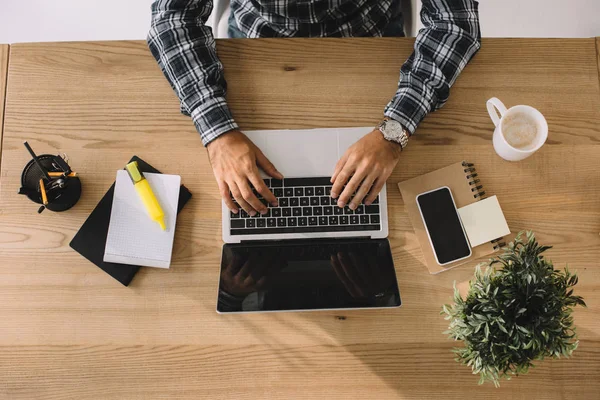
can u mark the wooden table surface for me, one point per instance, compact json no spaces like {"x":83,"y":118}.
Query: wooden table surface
{"x":4,"y":49}
{"x":68,"y":330}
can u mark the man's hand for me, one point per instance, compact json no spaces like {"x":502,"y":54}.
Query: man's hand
{"x":235,"y":161}
{"x":367,"y":164}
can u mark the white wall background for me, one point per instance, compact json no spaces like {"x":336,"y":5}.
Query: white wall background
{"x":58,"y":20}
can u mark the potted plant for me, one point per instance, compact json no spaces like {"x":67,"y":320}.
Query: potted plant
{"x":517,"y":310}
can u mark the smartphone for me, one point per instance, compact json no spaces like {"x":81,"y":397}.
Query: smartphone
{"x":444,"y":227}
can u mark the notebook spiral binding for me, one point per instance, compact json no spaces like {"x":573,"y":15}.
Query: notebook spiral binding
{"x":479,"y":194}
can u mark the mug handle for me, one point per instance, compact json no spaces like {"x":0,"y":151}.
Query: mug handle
{"x":495,"y":106}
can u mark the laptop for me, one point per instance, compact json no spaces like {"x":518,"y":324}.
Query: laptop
{"x":306,"y":253}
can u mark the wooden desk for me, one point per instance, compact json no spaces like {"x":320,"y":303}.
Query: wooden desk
{"x":4,"y":49}
{"x":70,"y":330}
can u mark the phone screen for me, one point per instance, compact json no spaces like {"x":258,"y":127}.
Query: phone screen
{"x":443,"y":225}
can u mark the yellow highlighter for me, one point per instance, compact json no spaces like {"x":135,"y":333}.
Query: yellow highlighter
{"x":145,"y":192}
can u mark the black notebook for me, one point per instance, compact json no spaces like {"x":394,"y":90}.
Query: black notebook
{"x":90,"y":241}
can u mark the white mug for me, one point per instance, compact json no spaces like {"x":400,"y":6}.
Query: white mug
{"x":502,"y":147}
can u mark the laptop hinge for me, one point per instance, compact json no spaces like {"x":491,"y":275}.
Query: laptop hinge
{"x":305,"y":239}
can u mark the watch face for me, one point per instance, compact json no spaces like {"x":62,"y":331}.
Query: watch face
{"x":392,"y":129}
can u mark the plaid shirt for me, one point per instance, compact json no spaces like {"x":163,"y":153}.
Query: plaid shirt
{"x":185,"y":49}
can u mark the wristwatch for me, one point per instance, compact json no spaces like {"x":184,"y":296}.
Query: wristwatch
{"x":394,"y":132}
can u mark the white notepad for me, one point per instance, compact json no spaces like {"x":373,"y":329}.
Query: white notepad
{"x":484,"y":221}
{"x":133,"y":238}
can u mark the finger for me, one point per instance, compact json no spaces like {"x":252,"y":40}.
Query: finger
{"x":339,"y":271}
{"x":245,"y":271}
{"x":339,"y":166}
{"x":262,"y":282}
{"x":362,"y":269}
{"x":261,"y":188}
{"x":226,"y":195}
{"x":351,"y":187}
{"x":375,"y":189}
{"x":263,"y":162}
{"x":240,"y":199}
{"x":351,"y":273}
{"x":249,"y":196}
{"x":362,"y":191}
{"x":341,"y":179}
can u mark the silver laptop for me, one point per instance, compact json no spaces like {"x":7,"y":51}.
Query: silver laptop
{"x":307,"y":253}
{"x":306,"y":158}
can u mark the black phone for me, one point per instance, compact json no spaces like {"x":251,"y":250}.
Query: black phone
{"x":444,"y":227}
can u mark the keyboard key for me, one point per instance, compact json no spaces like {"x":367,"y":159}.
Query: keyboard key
{"x":244,"y":214}
{"x":325,"y":200}
{"x":292,"y":221}
{"x":376,"y":201}
{"x":317,"y":211}
{"x":373,"y":209}
{"x":238,"y":223}
{"x":314,"y":201}
{"x":374,"y":219}
{"x":309,"y":191}
{"x":286,"y":212}
{"x":304,"y":201}
{"x":322,"y":220}
{"x":278,"y":193}
{"x":250,"y":223}
{"x":271,"y":222}
{"x":294,"y":202}
{"x":333,"y":220}
{"x":267,"y":182}
{"x":328,"y":191}
{"x":312,"y":221}
{"x":344,"y":220}
{"x":284,"y":202}
{"x":359,"y":210}
{"x":348,"y":210}
{"x":320,"y":191}
{"x":364,"y":219}
{"x":288,"y":192}
{"x":354,"y":219}
{"x":268,"y":214}
{"x":303,"y":221}
{"x":276,"y":183}
{"x":338,"y":211}
{"x":276,"y":212}
{"x":298,"y":192}
{"x":307,"y":211}
{"x":328,"y":210}
{"x":296,"y":211}
{"x":261,"y":223}
{"x":234,"y":215}
{"x":281,"y":222}
{"x":321,"y":181}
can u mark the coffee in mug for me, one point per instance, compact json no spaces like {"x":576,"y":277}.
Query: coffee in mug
{"x":520,"y":131}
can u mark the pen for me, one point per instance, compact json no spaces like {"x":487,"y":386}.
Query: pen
{"x":59,"y":174}
{"x":37,"y":160}
{"x":43,"y":191}
{"x":142,"y":186}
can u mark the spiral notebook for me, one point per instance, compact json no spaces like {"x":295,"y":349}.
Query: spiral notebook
{"x":466,"y":188}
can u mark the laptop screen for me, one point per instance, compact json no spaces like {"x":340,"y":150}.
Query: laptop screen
{"x":307,"y":275}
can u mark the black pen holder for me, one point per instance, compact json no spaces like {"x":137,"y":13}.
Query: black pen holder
{"x":62,"y":192}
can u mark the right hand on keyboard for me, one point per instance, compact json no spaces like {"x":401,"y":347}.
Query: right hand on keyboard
{"x":235,"y":161}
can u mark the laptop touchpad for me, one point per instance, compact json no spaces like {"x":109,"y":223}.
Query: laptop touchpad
{"x":300,"y":153}
{"x":306,"y":152}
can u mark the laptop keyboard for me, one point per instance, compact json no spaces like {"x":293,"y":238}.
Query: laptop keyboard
{"x":305,"y":206}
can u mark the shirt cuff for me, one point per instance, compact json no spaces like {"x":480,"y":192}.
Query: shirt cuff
{"x":212,"y":119}
{"x":410,"y":105}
